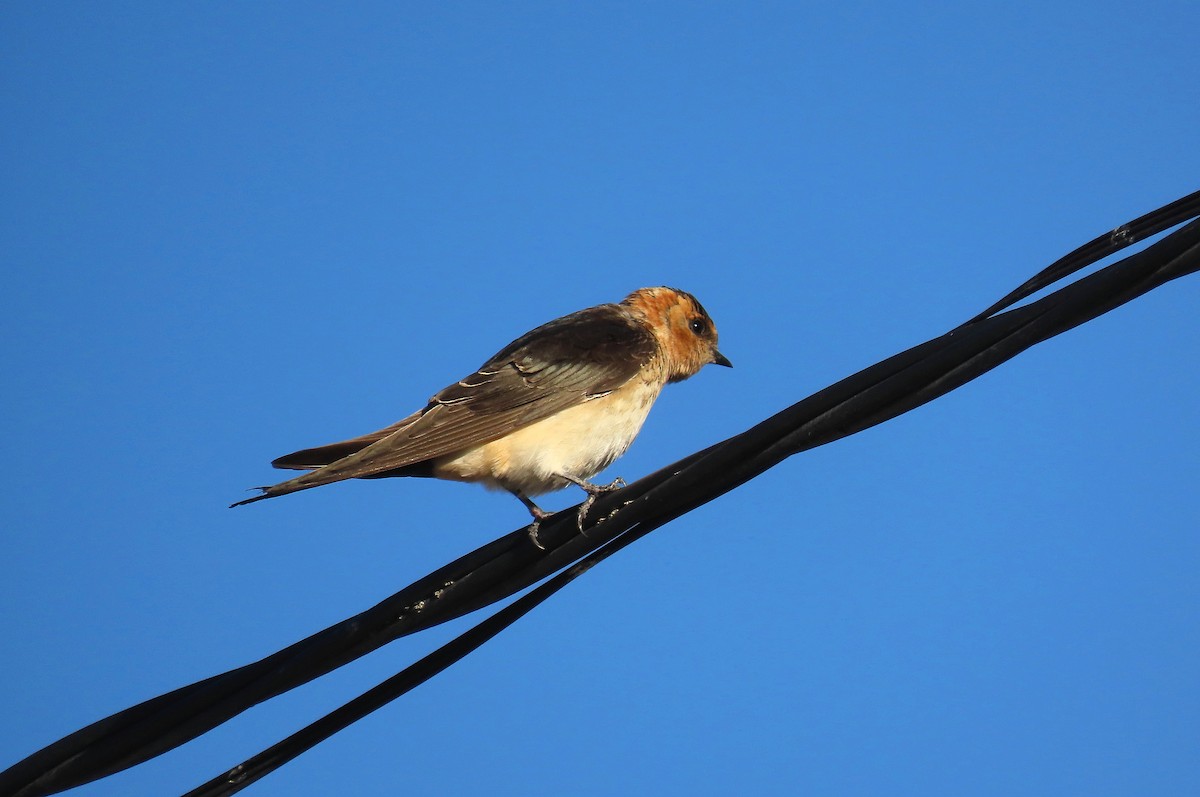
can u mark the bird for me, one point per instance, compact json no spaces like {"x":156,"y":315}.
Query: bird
{"x":553,"y":408}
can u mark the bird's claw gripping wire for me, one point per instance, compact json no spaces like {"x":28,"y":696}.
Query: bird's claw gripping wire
{"x":592,"y":490}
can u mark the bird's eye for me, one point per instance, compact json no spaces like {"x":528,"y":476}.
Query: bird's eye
{"x":698,"y":325}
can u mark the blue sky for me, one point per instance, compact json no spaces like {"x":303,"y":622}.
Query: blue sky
{"x":234,"y":230}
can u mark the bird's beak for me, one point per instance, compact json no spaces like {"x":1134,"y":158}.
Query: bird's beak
{"x":721,"y":359}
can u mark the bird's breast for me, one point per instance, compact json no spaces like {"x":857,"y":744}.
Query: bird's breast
{"x":580,"y":441}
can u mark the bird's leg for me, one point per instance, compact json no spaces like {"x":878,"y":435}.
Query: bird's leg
{"x":592,"y":491}
{"x":538,"y":513}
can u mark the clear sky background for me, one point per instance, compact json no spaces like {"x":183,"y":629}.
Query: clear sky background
{"x":236,"y":229}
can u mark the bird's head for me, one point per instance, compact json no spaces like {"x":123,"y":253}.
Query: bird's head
{"x":686,"y":335}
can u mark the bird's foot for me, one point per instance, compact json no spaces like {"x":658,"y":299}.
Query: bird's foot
{"x":592,"y":490}
{"x":539,"y":515}
{"x":533,"y":534}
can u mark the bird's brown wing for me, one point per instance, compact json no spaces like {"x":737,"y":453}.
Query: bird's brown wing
{"x":312,"y":458}
{"x":556,"y":366}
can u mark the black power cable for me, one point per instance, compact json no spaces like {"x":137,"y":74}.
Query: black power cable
{"x":512,"y":563}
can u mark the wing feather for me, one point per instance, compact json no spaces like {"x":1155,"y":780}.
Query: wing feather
{"x":556,"y":366}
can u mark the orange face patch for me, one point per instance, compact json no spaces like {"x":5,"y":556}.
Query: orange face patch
{"x":686,"y":334}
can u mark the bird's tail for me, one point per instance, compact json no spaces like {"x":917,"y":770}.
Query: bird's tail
{"x":325,"y":464}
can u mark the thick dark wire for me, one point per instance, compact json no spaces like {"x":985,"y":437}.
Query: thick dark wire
{"x":1101,"y":247}
{"x":506,"y":566}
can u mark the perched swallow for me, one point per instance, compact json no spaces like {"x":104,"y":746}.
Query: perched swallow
{"x":554,"y":407}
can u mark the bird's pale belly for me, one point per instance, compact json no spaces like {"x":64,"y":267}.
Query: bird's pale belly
{"x":580,"y":441}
